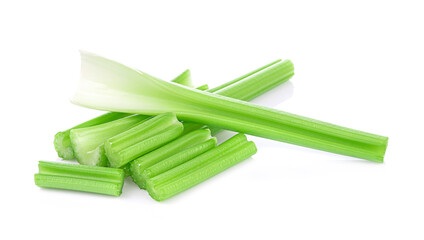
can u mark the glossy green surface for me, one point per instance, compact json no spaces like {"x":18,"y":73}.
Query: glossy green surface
{"x":76,"y":177}
{"x":198,"y":169}
{"x":109,"y":85}
{"x":142,"y":138}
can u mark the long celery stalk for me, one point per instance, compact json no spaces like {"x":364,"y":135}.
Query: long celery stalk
{"x":80,"y":178}
{"x":108,"y":85}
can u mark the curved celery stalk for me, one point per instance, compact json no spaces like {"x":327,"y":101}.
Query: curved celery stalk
{"x":62,"y":142}
{"x":76,"y":177}
{"x":109,"y":85}
{"x":180,"y":144}
{"x":200,"y":168}
{"x":87,"y":142}
{"x":141,"y":139}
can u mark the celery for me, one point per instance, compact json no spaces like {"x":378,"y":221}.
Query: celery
{"x":76,"y":177}
{"x":200,"y":168}
{"x":109,"y":85}
{"x":88,"y":142}
{"x":142,"y":138}
{"x":180,"y":144}
{"x":179,"y":158}
{"x":62,"y":142}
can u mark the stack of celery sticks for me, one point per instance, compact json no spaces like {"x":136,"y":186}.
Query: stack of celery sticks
{"x":161,"y":134}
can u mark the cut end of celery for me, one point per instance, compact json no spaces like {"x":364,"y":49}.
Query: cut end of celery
{"x":62,"y":144}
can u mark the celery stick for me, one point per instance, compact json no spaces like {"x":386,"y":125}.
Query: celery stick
{"x":178,"y":159}
{"x":181,"y":143}
{"x":128,"y":90}
{"x":62,"y":142}
{"x":200,"y":168}
{"x":141,"y":139}
{"x":87,"y":142}
{"x":218,"y":152}
{"x":76,"y":177}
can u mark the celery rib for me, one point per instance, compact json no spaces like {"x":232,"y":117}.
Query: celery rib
{"x":185,"y":141}
{"x":200,"y":168}
{"x":62,"y":141}
{"x":87,"y":143}
{"x":142,"y":138}
{"x":76,"y":177}
{"x":142,"y":94}
{"x":179,"y":158}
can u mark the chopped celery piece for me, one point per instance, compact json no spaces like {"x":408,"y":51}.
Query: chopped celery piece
{"x":108,"y":85}
{"x":179,"y":158}
{"x":62,"y":142}
{"x":200,"y":168}
{"x":142,"y":138}
{"x":76,"y":177}
{"x":88,"y":142}
{"x":185,"y":141}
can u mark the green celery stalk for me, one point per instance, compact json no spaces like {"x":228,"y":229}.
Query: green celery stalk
{"x":116,"y":87}
{"x":62,"y":142}
{"x":178,"y":159}
{"x":142,"y":138}
{"x":186,"y":141}
{"x":76,"y":177}
{"x":200,"y":168}
{"x":87,"y":143}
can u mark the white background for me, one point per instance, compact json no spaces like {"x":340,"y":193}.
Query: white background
{"x":358,"y":64}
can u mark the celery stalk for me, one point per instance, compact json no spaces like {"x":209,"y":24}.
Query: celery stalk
{"x":108,"y":85}
{"x":142,"y":138}
{"x":76,"y":177}
{"x":179,"y":158}
{"x":62,"y":142}
{"x":180,"y":144}
{"x":88,"y":142}
{"x":200,"y":168}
